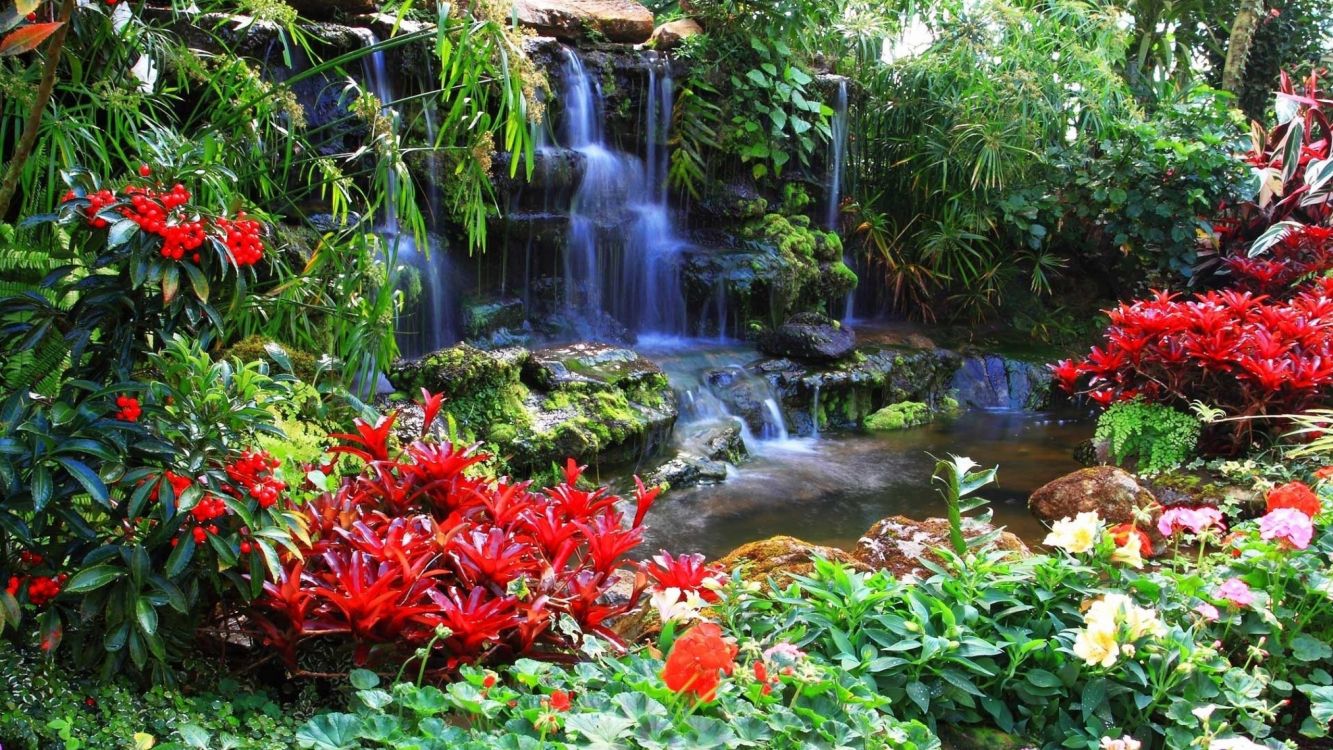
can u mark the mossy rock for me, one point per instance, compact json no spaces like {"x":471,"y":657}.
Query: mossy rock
{"x":777,"y":559}
{"x":305,"y":365}
{"x":483,"y":390}
{"x":482,"y":319}
{"x":900,"y":416}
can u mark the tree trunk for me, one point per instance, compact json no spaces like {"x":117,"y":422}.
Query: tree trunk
{"x":9,"y":185}
{"x":1238,"y":46}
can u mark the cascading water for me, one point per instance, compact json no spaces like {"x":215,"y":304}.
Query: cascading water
{"x":430,"y":324}
{"x":627,"y":270}
{"x":837,"y":163}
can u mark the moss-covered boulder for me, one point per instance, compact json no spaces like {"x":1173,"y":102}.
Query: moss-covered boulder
{"x":484,"y":319}
{"x":900,"y":416}
{"x":1110,"y":492}
{"x":778,"y":558}
{"x":304,"y":365}
{"x":898,"y":544}
{"x":591,"y":402}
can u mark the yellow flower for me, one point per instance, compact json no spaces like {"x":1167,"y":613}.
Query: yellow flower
{"x":144,"y":741}
{"x":1097,"y":645}
{"x":1076,"y":535}
{"x":1130,"y":553}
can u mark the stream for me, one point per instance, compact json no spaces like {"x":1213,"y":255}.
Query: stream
{"x":829,"y":489}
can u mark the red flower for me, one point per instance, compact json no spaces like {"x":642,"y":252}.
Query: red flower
{"x":560,"y":700}
{"x":697,"y":661}
{"x":1296,"y":495}
{"x":129,"y":408}
{"x":761,"y":674}
{"x":1324,"y":474}
{"x":686,"y":572}
{"x":1122,"y":534}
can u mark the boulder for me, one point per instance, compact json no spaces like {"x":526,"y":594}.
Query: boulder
{"x":994,"y":382}
{"x":898,"y":544}
{"x":481,"y":319}
{"x":621,"y":21}
{"x":900,"y":416}
{"x":1110,"y":492}
{"x":780,"y":558}
{"x":723,"y":442}
{"x":671,"y":35}
{"x":688,"y":471}
{"x":595,"y":365}
{"x":809,"y":336}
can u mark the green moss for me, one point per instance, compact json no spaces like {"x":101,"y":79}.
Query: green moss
{"x":899,"y":416}
{"x":305,"y":366}
{"x":795,"y":198}
{"x":836,"y":281}
{"x":482,"y":390}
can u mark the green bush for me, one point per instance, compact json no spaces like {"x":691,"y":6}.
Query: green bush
{"x":1158,"y":437}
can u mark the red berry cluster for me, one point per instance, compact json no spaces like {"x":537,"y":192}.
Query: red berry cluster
{"x":208,"y":509}
{"x":244,"y":239}
{"x":151,"y":210}
{"x":178,"y":484}
{"x":129,"y":408}
{"x":253,"y":472}
{"x":41,"y":589}
{"x":96,"y":202}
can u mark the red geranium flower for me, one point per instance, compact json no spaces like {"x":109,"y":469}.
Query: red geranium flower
{"x":1122,"y":533}
{"x":1296,"y":495}
{"x":560,"y":700}
{"x":697,"y":661}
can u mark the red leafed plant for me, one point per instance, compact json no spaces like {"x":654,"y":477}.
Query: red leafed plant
{"x":414,"y":551}
{"x":1248,"y":355}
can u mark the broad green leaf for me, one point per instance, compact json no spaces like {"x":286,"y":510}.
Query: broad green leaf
{"x":91,"y":579}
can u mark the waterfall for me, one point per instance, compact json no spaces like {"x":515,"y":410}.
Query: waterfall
{"x":623,"y":252}
{"x":814,"y":413}
{"x":775,"y":427}
{"x":430,"y":324}
{"x":837,"y":162}
{"x":837,"y":157}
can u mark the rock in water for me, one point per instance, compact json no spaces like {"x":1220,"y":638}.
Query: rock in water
{"x":1112,"y":493}
{"x":320,"y":10}
{"x":781,"y":557}
{"x":573,"y":20}
{"x":898,"y":544}
{"x":809,"y":336}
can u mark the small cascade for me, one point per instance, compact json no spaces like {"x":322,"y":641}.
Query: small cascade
{"x":814,"y":413}
{"x":775,"y":427}
{"x":627,"y":269}
{"x":430,"y":323}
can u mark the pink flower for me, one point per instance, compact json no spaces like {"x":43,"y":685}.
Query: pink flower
{"x":1208,"y":611}
{"x":1195,"y":520}
{"x":1288,"y":525}
{"x":1235,"y":591}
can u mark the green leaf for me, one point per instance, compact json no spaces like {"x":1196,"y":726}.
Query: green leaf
{"x":146,"y":614}
{"x":13,"y":14}
{"x":363,"y":679}
{"x":920,"y":695}
{"x":1306,"y":648}
{"x":40,"y":487}
{"x":91,"y":579}
{"x":194,"y":735}
{"x":120,"y":233}
{"x":330,"y":732}
{"x":86,"y":477}
{"x":197,"y":280}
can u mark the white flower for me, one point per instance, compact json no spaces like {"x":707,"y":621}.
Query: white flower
{"x":1235,"y":743}
{"x":1076,"y":535}
{"x":1204,"y":712}
{"x":1124,"y":743}
{"x":1130,"y":553}
{"x":1097,"y":645}
{"x":671,"y":604}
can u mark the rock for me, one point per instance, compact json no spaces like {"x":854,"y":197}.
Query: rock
{"x":481,"y":320}
{"x":780,"y":558}
{"x":900,"y":416}
{"x":591,"y":364}
{"x":671,"y":35}
{"x":898,"y":544}
{"x":963,"y":737}
{"x":724,"y":443}
{"x":809,"y":336}
{"x":688,"y":471}
{"x":1112,"y":493}
{"x":326,"y":9}
{"x":994,"y":382}
{"x":621,"y":21}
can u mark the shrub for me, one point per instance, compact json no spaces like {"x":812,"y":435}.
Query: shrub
{"x":178,"y":514}
{"x":1247,"y":355}
{"x":1158,"y":437}
{"x":413,"y":552}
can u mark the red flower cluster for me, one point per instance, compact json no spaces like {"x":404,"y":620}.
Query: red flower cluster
{"x":697,"y":661}
{"x":414,"y":543}
{"x":559,"y":700}
{"x":129,"y":408}
{"x":253,"y":472}
{"x":686,"y":572}
{"x":1125,"y":531}
{"x":1294,"y":495}
{"x":1248,"y":355}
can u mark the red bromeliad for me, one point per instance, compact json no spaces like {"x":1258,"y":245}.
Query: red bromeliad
{"x":688,"y":573}
{"x":414,"y":549}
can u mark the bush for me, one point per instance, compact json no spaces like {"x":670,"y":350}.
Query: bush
{"x":1248,"y":356}
{"x":1159,"y":438}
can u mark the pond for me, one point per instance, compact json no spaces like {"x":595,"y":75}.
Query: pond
{"x":830,"y":489}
